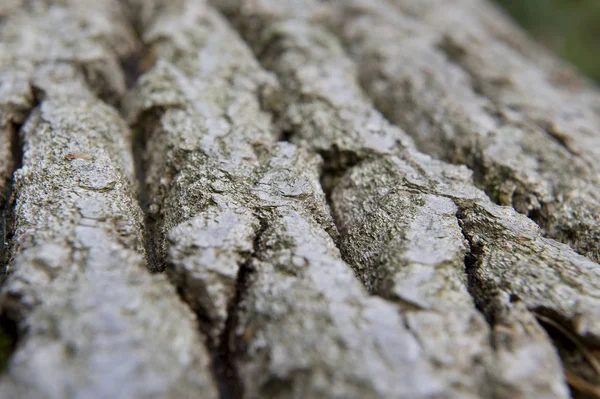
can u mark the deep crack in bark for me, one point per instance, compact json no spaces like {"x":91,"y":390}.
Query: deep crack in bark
{"x":581,"y":367}
{"x":555,"y":326}
{"x":9,"y":338}
{"x":228,"y":379}
{"x":474,"y":251}
{"x":133,"y":66}
{"x":153,"y":235}
{"x":7,"y":200}
{"x":9,"y":334}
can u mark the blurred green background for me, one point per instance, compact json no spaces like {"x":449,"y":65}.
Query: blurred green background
{"x":570,"y":28}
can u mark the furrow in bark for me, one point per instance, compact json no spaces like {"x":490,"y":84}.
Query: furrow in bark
{"x":230,"y":382}
{"x":17,"y":101}
{"x":154,"y":262}
{"x":200,"y":111}
{"x":396,"y":209}
{"x":134,"y":64}
{"x":405,"y":67}
{"x":92,"y":321}
{"x":10,"y":160}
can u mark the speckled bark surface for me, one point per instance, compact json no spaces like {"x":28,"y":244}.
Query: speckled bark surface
{"x":93,"y":322}
{"x":387,"y":231}
{"x":251,"y":225}
{"x":199,"y":111}
{"x":478,"y":102}
{"x":300,"y":323}
{"x":483,"y":22}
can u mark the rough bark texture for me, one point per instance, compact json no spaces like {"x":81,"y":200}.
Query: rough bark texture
{"x":93,"y":321}
{"x":199,"y":111}
{"x":295,"y":242}
{"x":478,"y":102}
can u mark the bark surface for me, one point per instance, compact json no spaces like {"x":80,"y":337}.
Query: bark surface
{"x":92,"y":322}
{"x":478,"y":102}
{"x":299,"y":198}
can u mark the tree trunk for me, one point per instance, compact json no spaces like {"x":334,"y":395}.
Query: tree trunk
{"x":299,"y":198}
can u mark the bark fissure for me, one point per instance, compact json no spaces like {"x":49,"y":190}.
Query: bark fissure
{"x":6,"y":197}
{"x":9,"y":334}
{"x":335,"y":165}
{"x":138,"y":60}
{"x":9,"y":338}
{"x":153,"y":235}
{"x":470,"y":260}
{"x":9,"y":331}
{"x":133,"y":66}
{"x":228,"y":377}
{"x":13,"y":160}
{"x":580,"y":364}
{"x":494,"y":310}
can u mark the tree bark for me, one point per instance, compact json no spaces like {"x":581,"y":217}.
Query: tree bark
{"x":299,"y":198}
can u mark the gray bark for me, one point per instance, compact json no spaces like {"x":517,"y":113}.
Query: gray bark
{"x":477,"y":102}
{"x":94,"y":322}
{"x":269,"y":210}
